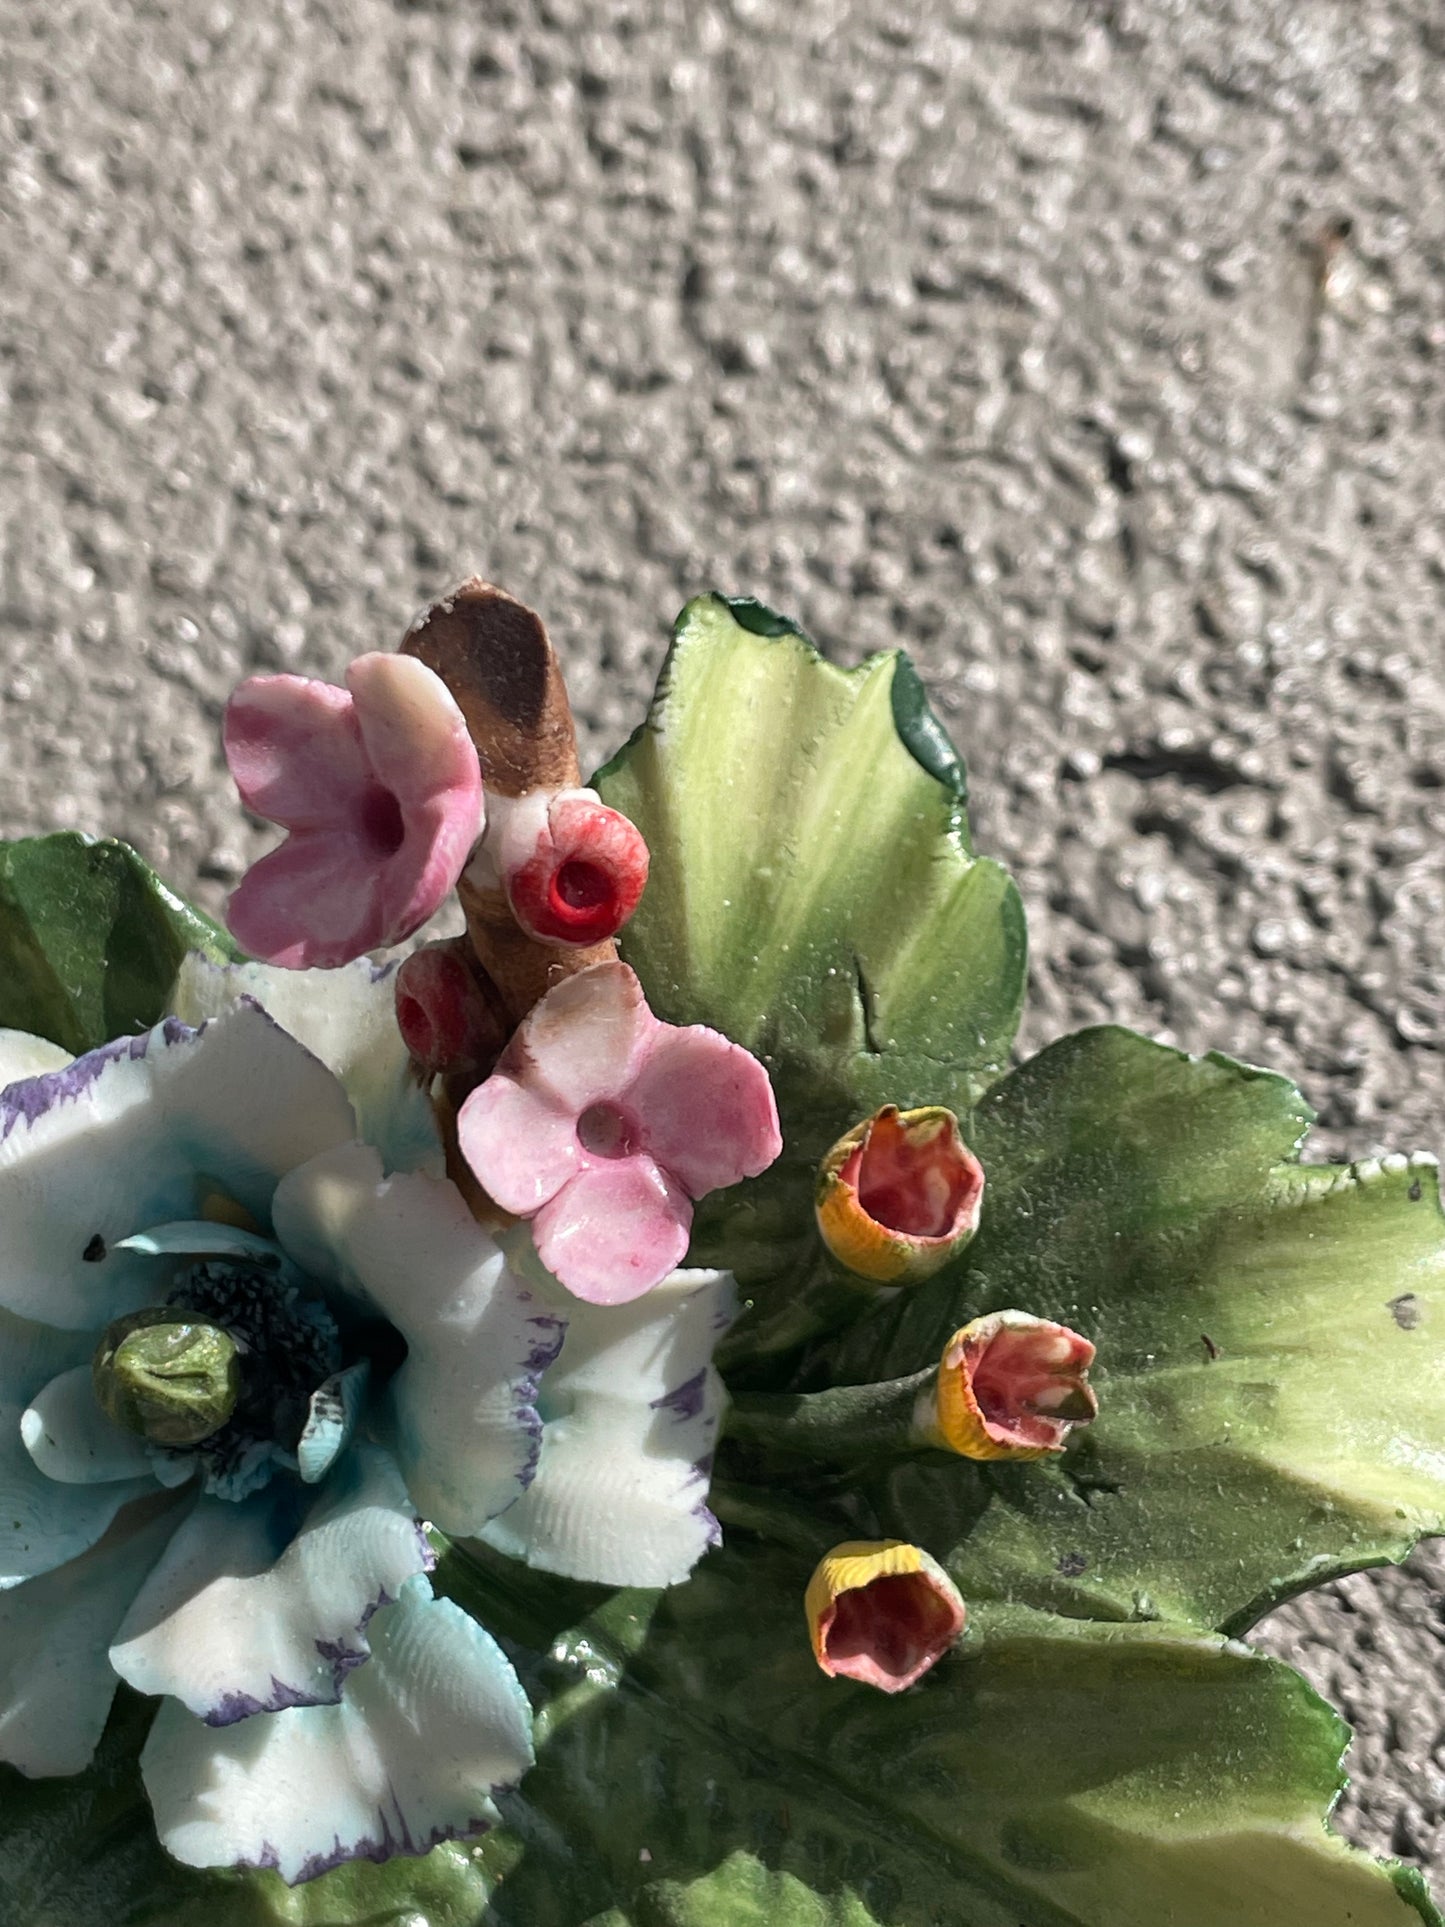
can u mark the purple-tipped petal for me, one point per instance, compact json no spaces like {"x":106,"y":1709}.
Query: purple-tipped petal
{"x":620,"y":1495}
{"x":258,"y":1604}
{"x":347,"y":1018}
{"x":465,"y":1428}
{"x":142,"y":1133}
{"x":426,"y":1735}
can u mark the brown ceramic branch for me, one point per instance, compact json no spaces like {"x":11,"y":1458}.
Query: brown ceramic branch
{"x":495,"y":657}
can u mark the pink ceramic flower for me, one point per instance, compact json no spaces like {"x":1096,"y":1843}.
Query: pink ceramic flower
{"x":604,"y":1124}
{"x":379,"y":786}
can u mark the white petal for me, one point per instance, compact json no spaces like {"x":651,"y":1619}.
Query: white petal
{"x":56,"y":1680}
{"x":254,"y":1607}
{"x":331,"y":1418}
{"x":43,"y":1524}
{"x":24,"y":1055}
{"x":31,"y":1355}
{"x":426,"y":1734}
{"x":72,"y":1440}
{"x":347,"y":1017}
{"x":466,"y":1426}
{"x":632,"y":1409}
{"x":137,"y":1134}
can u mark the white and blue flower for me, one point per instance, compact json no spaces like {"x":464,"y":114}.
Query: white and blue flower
{"x":396,"y":1368}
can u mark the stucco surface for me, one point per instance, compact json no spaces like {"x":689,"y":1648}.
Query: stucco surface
{"x":1095,"y":352}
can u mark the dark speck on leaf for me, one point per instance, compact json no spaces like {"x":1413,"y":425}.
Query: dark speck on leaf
{"x":1406,"y":1312}
{"x":95,"y":1250}
{"x":1072,"y":1564}
{"x":1211,"y":1349}
{"x":1416,"y":1192}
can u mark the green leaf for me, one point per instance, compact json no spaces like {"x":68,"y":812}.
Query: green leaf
{"x":90,"y":940}
{"x":1271,"y":1369}
{"x":696,"y":1770}
{"x":80,"y":1851}
{"x":814,"y":896}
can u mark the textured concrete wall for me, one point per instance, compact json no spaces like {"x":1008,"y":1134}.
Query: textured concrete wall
{"x":1093,"y":349}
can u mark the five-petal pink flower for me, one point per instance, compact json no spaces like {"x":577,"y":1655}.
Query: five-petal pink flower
{"x":602,"y":1124}
{"x":380,"y":788}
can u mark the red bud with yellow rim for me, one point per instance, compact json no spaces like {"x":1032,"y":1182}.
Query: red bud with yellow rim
{"x":881,"y":1611}
{"x":899,"y":1195}
{"x":1011,"y":1386}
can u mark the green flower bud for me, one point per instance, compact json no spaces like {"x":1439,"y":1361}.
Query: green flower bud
{"x":171,"y":1376}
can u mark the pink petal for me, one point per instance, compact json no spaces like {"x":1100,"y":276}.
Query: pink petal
{"x":614,"y":1231}
{"x":415,"y":879}
{"x":294,"y":748}
{"x":314,"y":903}
{"x":705,"y":1109}
{"x":415,"y":737}
{"x":586,"y":1039}
{"x":521,"y":1148}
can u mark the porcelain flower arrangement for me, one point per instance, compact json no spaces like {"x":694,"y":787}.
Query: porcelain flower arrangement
{"x":636,"y":1413}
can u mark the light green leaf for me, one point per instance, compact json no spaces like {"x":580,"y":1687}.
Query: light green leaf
{"x":814,"y":896}
{"x":90,"y":940}
{"x":1271,"y":1369}
{"x":696,"y":1770}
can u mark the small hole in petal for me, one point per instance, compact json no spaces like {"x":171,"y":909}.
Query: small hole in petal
{"x":606,"y":1132}
{"x":418,"y":1032}
{"x":381,"y":822}
{"x":579,"y":885}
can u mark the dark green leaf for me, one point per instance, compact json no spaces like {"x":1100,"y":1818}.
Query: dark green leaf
{"x":813,"y":895}
{"x":696,"y":1770}
{"x":1271,"y":1336}
{"x":90,"y":940}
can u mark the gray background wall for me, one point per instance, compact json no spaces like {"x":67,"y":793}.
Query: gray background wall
{"x":1092,"y":349}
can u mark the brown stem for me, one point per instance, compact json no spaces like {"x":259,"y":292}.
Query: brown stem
{"x":495,"y":657}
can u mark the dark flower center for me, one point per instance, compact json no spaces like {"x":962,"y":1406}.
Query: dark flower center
{"x":582,"y":885}
{"x":379,"y":815}
{"x":607,"y":1132}
{"x":287,"y":1344}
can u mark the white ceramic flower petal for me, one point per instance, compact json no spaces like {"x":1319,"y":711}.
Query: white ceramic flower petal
{"x":631,"y":1409}
{"x":347,"y":1017}
{"x":127,"y":1136}
{"x":31,"y":1355}
{"x":424,"y":1737}
{"x":22,"y":1054}
{"x":331,"y":1419}
{"x":44,"y":1524}
{"x":71,"y":1439}
{"x":56,"y":1680}
{"x":258,"y":1605}
{"x":201,"y":1238}
{"x":463,"y":1402}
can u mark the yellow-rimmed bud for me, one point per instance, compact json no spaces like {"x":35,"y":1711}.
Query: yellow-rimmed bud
{"x":1009,"y":1386}
{"x":881,"y":1611}
{"x":899,"y":1195}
